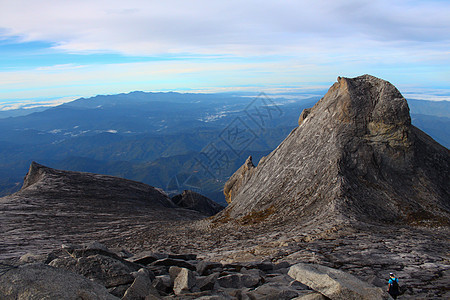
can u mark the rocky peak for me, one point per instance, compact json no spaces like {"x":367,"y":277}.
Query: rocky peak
{"x":35,"y":174}
{"x":367,"y":105}
{"x":42,"y":182}
{"x":354,"y":156}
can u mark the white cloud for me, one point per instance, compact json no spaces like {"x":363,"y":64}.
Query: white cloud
{"x":29,"y":104}
{"x":218,"y":45}
{"x":60,"y":67}
{"x":225,"y":27}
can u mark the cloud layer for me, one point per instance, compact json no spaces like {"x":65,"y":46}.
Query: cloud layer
{"x":224,"y":27}
{"x":202,"y":44}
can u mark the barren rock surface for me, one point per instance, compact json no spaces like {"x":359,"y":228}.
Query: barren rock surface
{"x":355,"y":187}
{"x":38,"y":281}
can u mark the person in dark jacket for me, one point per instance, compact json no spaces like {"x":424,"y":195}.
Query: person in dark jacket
{"x":393,"y":287}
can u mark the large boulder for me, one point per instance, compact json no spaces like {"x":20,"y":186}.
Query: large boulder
{"x":335,"y":284}
{"x":104,"y":270}
{"x":39,"y":281}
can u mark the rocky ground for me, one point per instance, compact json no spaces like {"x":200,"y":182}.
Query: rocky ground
{"x":93,"y":271}
{"x":252,"y":263}
{"x":418,"y":255}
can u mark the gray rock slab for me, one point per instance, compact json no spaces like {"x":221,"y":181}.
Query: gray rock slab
{"x":269,"y":292}
{"x":141,"y":287}
{"x":147,"y":257}
{"x":335,"y":284}
{"x":163,"y":283}
{"x":204,"y":266}
{"x":104,"y":270}
{"x":238,"y":281}
{"x":173,"y":272}
{"x":311,"y":296}
{"x":207,"y":282}
{"x":174,"y":262}
{"x":39,"y":281}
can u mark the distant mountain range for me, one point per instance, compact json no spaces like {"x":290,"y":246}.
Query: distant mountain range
{"x":170,"y":140}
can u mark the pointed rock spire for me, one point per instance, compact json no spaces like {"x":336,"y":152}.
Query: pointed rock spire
{"x":354,"y":156}
{"x":239,"y":178}
{"x":35,"y":173}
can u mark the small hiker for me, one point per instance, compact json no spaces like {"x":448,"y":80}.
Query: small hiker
{"x":393,"y":287}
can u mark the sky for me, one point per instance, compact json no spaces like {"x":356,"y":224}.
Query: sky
{"x":53,"y":51}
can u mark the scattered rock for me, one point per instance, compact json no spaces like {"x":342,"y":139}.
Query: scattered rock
{"x":119,"y":290}
{"x":268,"y":292}
{"x":186,"y":257}
{"x":32,"y":258}
{"x":173,"y":272}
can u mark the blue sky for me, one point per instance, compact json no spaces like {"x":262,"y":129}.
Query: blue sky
{"x":54,"y":51}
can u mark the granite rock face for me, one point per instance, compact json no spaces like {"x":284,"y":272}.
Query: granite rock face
{"x":64,"y":206}
{"x":195,"y":201}
{"x":354,"y":157}
{"x":96,"y":189}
